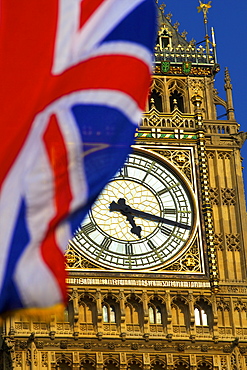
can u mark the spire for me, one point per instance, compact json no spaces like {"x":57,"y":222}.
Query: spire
{"x":204,"y":8}
{"x":229,"y":100}
{"x":172,"y":48}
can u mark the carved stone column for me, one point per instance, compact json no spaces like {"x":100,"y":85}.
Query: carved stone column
{"x":76,"y":311}
{"x":145,"y":313}
{"x":193,"y":362}
{"x":169,"y":361}
{"x":146,"y":361}
{"x":123,"y":361}
{"x":215,"y":318}
{"x":169,"y":313}
{"x":99,"y":361}
{"x":76,"y":361}
{"x":192,"y":316}
{"x":122,"y":314}
{"x":99,"y":310}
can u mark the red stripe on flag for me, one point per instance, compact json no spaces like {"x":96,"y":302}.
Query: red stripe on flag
{"x":114,"y":72}
{"x":87,"y":9}
{"x":57,"y":154}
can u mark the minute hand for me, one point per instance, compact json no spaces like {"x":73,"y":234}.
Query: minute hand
{"x":152,"y":217}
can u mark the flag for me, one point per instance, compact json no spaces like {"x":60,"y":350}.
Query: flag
{"x":74,"y":81}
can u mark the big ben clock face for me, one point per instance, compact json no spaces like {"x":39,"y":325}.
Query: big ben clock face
{"x":144,"y":218}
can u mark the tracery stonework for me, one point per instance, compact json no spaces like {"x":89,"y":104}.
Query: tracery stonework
{"x":214,"y":195}
{"x":233,"y":242}
{"x":228,"y":196}
{"x":181,"y":158}
{"x":190,"y":262}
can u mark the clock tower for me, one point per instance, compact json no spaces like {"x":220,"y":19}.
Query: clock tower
{"x":157,"y":271}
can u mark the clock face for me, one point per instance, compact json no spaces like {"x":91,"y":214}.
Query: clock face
{"x":143,"y":219}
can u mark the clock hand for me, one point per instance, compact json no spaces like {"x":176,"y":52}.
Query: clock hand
{"x":120,"y":206}
{"x":124,"y":209}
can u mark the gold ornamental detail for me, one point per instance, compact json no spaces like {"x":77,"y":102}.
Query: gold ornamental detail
{"x":180,"y":158}
{"x":74,"y":260}
{"x":190,"y":262}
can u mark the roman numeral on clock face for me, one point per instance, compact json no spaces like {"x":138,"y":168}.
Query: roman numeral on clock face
{"x":106,"y":243}
{"x":165,"y":230}
{"x":129,"y":249}
{"x":169,"y":211}
{"x":124,"y":171}
{"x":151,"y":245}
{"x":89,"y":228}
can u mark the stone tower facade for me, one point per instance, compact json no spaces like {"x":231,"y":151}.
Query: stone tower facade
{"x":190,"y":310}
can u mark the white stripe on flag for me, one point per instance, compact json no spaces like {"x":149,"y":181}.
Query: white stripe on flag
{"x":74,"y":45}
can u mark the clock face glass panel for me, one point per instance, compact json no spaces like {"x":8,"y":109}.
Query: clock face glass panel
{"x":151,"y":186}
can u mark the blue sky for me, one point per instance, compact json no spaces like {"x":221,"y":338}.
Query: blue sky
{"x":228,"y":17}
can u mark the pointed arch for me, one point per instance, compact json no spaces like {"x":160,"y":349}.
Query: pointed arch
{"x":180,"y":315}
{"x":158,"y":364}
{"x":111,"y":312}
{"x":134,"y":364}
{"x":156,"y":98}
{"x":87,"y":312}
{"x":176,"y":93}
{"x":64,"y":363}
{"x":111,"y":364}
{"x":134,"y":313}
{"x":87,"y":363}
{"x":157,"y":314}
{"x":203,"y":314}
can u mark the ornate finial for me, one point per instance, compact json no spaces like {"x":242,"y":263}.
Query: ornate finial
{"x":204,"y":7}
{"x":168,"y":16}
{"x":175,"y":104}
{"x":152,"y":102}
{"x":162,"y":8}
{"x":176,"y":25}
{"x":184,"y":34}
{"x":228,"y":84}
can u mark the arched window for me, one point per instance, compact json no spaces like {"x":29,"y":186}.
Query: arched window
{"x":87,"y":313}
{"x":151,"y":315}
{"x":180,"y":365}
{"x":111,"y":364}
{"x":134,"y":365}
{"x":87,"y":364}
{"x":134,"y":314}
{"x":64,"y":366}
{"x":176,"y":101}
{"x":180,"y":316}
{"x":109,"y":313}
{"x":155,"y":316}
{"x":112,"y":314}
{"x":158,"y":365}
{"x":201,"y":317}
{"x":155,"y":100}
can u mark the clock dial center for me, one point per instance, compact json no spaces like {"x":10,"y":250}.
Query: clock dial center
{"x":136,"y":196}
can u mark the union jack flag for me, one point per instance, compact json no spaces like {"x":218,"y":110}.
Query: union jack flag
{"x":74,"y":81}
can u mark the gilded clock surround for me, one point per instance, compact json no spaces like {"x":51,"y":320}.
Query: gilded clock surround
{"x":183,"y":257}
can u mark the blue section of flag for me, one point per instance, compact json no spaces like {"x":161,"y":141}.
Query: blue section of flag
{"x":9,"y":295}
{"x":107,"y":135}
{"x":140,"y":35}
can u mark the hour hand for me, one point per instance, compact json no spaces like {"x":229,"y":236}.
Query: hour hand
{"x":122,"y":207}
{"x":125,"y":210}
